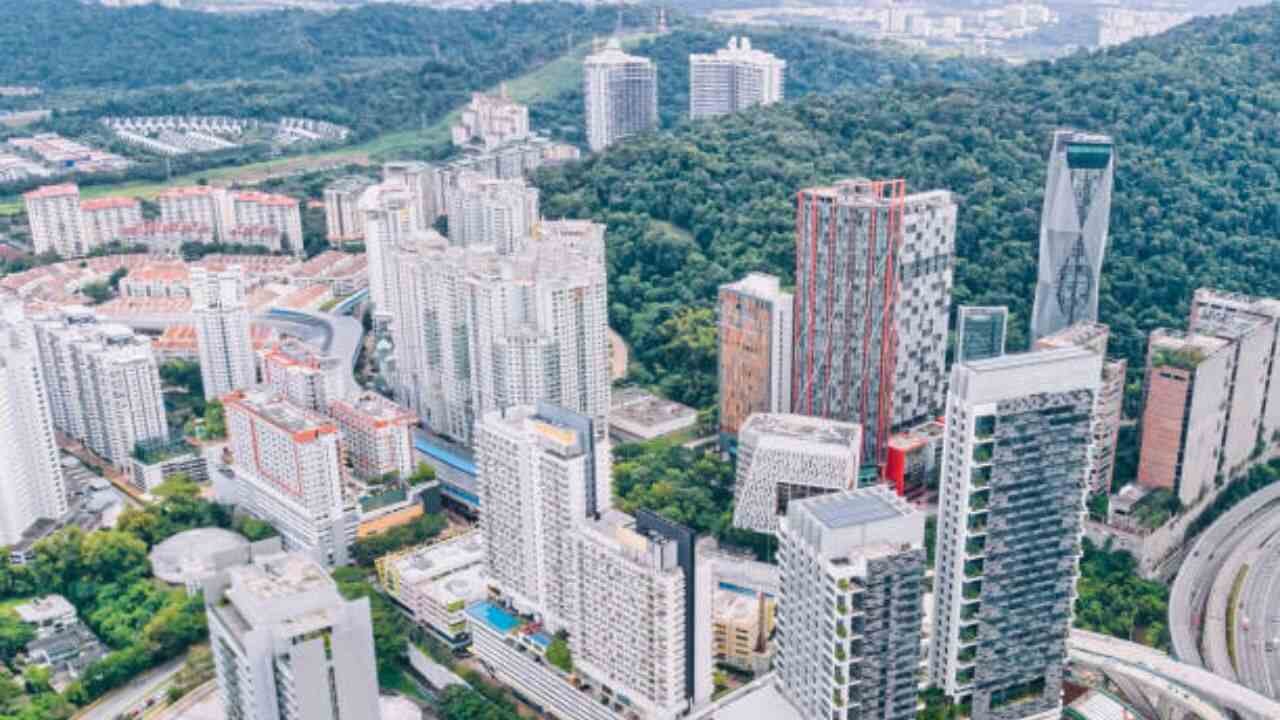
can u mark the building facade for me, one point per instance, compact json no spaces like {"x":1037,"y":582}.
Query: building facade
{"x":390,"y":218}
{"x":1014,"y":474}
{"x":103,"y":382}
{"x":53,"y":212}
{"x":343,"y":218}
{"x":873,"y":295}
{"x":32,"y":486}
{"x":252,"y":209}
{"x":486,"y":211}
{"x":755,"y":353}
{"x":105,"y":219}
{"x":1185,"y":414}
{"x":981,"y":332}
{"x":287,"y":645}
{"x":1074,"y":227}
{"x":621,"y":93}
{"x":376,"y":435}
{"x":303,"y":375}
{"x":199,"y":205}
{"x":222,"y":322}
{"x":437,"y":582}
{"x":491,"y":120}
{"x":420,"y":179}
{"x":784,"y":458}
{"x":733,"y":78}
{"x":288,"y":472}
{"x":851,"y":609}
{"x":1108,"y":406}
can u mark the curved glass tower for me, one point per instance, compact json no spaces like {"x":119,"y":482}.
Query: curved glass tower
{"x":1073,"y":231}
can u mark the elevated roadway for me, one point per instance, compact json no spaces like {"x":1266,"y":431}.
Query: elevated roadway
{"x":1256,"y":629}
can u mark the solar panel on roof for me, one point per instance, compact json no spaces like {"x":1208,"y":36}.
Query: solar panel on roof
{"x":848,"y":511}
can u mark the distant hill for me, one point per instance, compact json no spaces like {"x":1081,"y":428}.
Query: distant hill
{"x":1195,"y":114}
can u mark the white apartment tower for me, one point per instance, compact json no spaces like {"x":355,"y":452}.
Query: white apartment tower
{"x":1015,"y":469}
{"x":288,"y":472}
{"x":850,"y":611}
{"x":343,"y":218}
{"x":222,"y":330}
{"x":376,"y":434}
{"x":287,"y":646}
{"x":53,"y":212}
{"x":481,"y":331}
{"x":104,"y":219}
{"x":631,"y":629}
{"x":784,"y":458}
{"x":199,"y":205}
{"x":31,"y":481}
{"x":485,"y":211}
{"x":390,"y":216}
{"x":491,"y":120}
{"x":252,"y":209}
{"x":420,"y":180}
{"x":733,"y":78}
{"x":305,"y":376}
{"x":103,"y":383}
{"x":621,"y":94}
{"x":541,"y":476}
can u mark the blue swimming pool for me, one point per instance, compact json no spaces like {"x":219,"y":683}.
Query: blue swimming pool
{"x":494,"y":616}
{"x":541,"y":639}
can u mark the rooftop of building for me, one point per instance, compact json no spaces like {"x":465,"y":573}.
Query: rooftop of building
{"x":276,"y":410}
{"x":1082,"y":334}
{"x":290,"y":352}
{"x":351,"y":183}
{"x":730,"y":606}
{"x":761,"y":285}
{"x":372,"y":407}
{"x":192,"y":555}
{"x":1174,"y":348}
{"x":918,"y":436}
{"x":49,"y":191}
{"x":44,"y":609}
{"x":839,"y":511}
{"x":643,"y":407}
{"x":262,"y":198}
{"x":109,"y":203}
{"x":431,"y":561}
{"x":802,"y":427}
{"x":739,"y":48}
{"x":612,"y":53}
{"x":1239,"y":301}
{"x":759,"y":700}
{"x":186,"y":191}
{"x":279,"y":577}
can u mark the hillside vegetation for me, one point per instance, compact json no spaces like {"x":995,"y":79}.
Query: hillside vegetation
{"x":1195,"y":114}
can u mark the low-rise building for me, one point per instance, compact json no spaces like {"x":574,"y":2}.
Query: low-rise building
{"x":437,"y":582}
{"x":151,"y":466}
{"x":637,"y":415}
{"x":742,"y":622}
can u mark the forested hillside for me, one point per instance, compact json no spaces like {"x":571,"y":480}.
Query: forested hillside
{"x":374,"y":68}
{"x":1195,"y":114}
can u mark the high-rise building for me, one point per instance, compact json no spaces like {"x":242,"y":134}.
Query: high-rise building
{"x":873,"y":295}
{"x":376,"y":435}
{"x":485,"y":211}
{"x":288,"y":472}
{"x":480,"y":331}
{"x":31,"y":482}
{"x":733,"y":78}
{"x":755,"y":351}
{"x":1074,"y":226}
{"x":198,"y":205}
{"x":252,"y":209}
{"x":104,"y":219}
{"x":1014,"y":473}
{"x":222,"y":330}
{"x":491,"y":120}
{"x":343,"y":218}
{"x":981,"y":332}
{"x":621,"y":94}
{"x":305,"y":376}
{"x":389,"y":221}
{"x":784,"y":458}
{"x":631,"y":630}
{"x":420,"y":179}
{"x":541,"y":476}
{"x":1108,"y":404}
{"x":1252,"y":324}
{"x":287,"y":645}
{"x":103,"y":382}
{"x":53,"y":212}
{"x":1185,"y":416}
{"x":850,"y":612}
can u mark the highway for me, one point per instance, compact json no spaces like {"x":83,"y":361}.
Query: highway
{"x":120,"y":701}
{"x":1087,"y":647}
{"x":1258,"y":620}
{"x":1191,"y":587}
{"x":1242,"y":558}
{"x":1186,"y":700}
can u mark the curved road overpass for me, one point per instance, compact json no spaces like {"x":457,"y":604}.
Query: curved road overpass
{"x":337,"y":335}
{"x":1087,"y":647}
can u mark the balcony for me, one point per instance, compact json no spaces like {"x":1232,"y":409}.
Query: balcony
{"x":975,"y":547}
{"x":969,"y":634}
{"x":983,"y":452}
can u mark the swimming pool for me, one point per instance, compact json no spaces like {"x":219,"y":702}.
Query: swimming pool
{"x":541,"y":639}
{"x":494,"y":616}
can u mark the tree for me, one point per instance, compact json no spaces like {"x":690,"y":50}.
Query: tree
{"x":14,"y":635}
{"x":390,"y":631}
{"x":558,"y":653}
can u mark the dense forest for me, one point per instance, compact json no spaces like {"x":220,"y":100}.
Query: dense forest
{"x":374,"y":68}
{"x":1195,"y":115}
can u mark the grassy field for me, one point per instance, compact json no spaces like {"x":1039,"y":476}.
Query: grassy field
{"x":543,"y":83}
